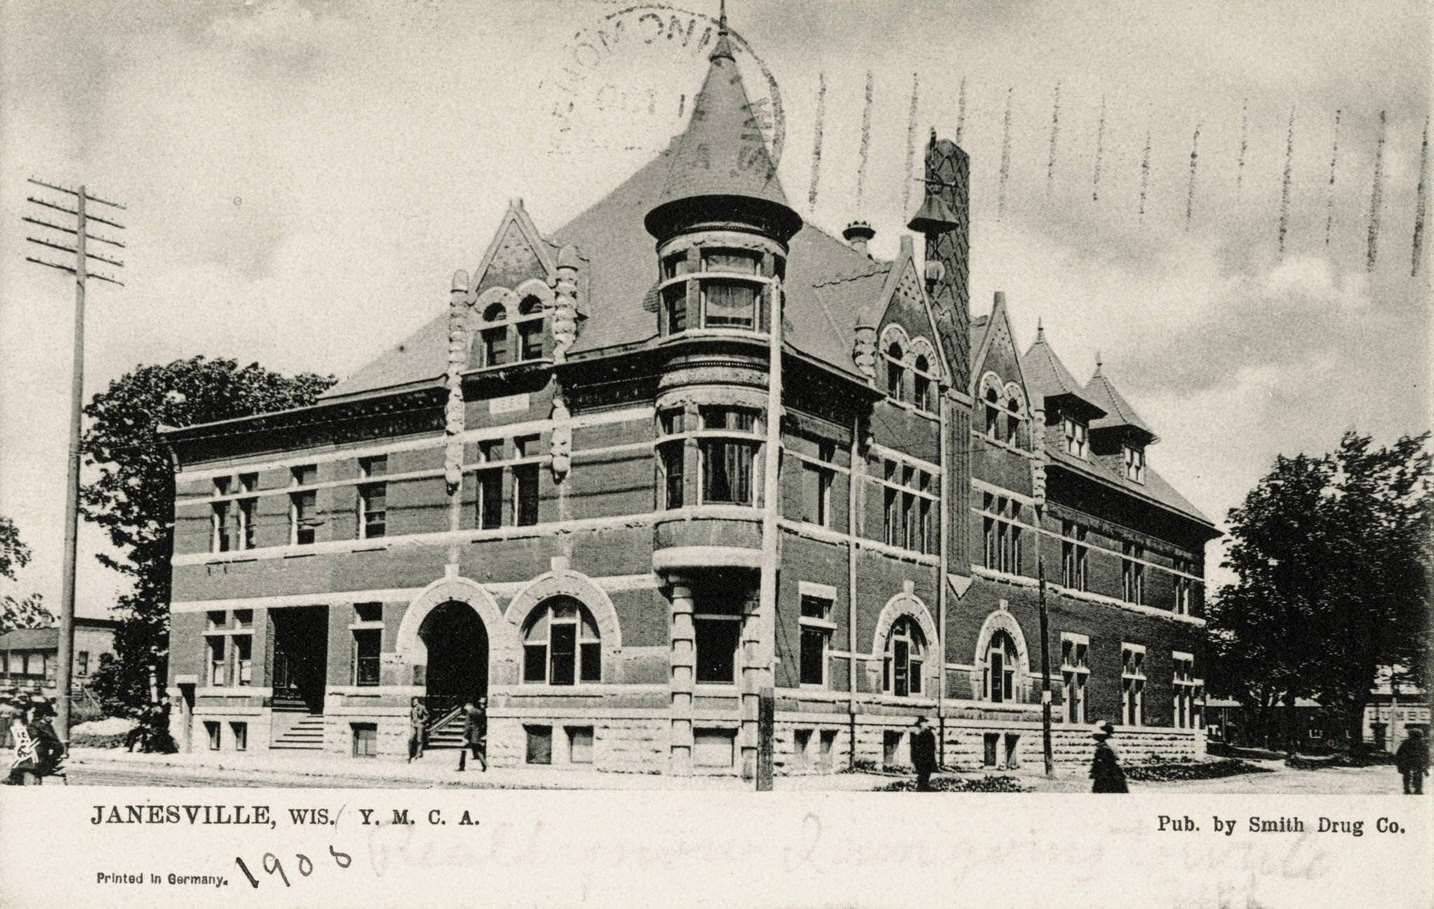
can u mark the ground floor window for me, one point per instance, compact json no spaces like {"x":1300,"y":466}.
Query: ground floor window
{"x":1075,"y":672}
{"x":816,"y":634}
{"x":540,"y":744}
{"x":1002,"y":660}
{"x":561,"y":644}
{"x":905,"y":656}
{"x":1187,"y":691}
{"x":365,"y":740}
{"x":717,"y":636}
{"x":580,"y":744}
{"x":714,"y":747}
{"x":1132,"y":684}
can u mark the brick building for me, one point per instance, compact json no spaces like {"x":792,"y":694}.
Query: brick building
{"x":682,"y":449}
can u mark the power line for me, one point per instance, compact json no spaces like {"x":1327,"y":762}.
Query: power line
{"x":81,"y":271}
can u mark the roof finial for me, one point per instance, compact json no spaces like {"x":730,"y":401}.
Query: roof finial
{"x":724,"y":47}
{"x":1040,"y":330}
{"x":1097,"y":362}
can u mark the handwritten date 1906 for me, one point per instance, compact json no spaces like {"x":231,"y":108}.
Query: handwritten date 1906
{"x":273,"y":866}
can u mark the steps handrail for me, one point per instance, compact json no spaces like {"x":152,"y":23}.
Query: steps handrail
{"x":443,"y":719}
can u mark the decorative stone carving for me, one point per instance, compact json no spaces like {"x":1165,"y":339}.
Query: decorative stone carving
{"x":457,"y":359}
{"x":561,"y":447}
{"x":565,"y":307}
{"x":863,"y":352}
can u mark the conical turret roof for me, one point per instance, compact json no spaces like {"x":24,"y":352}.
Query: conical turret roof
{"x":1118,"y":412}
{"x":722,"y":156}
{"x":1048,"y":377}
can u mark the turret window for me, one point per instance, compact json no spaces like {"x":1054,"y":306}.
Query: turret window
{"x":730,"y":261}
{"x":728,"y":448}
{"x":729,"y":304}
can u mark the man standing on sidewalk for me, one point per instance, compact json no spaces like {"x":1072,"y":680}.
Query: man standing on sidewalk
{"x":1412,"y":761}
{"x":923,"y":754}
{"x":417,"y":720}
{"x":475,"y":734}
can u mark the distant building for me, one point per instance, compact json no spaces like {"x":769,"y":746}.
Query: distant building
{"x":29,"y":656}
{"x":575,"y":492}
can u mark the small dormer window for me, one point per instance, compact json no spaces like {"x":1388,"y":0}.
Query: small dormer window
{"x":993,"y":413}
{"x":1013,"y":421}
{"x":511,"y":336}
{"x":1076,"y":433}
{"x":1134,"y":456}
{"x":530,"y":329}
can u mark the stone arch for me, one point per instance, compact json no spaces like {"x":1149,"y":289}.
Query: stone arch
{"x":894,"y":333}
{"x":1014,"y":394}
{"x":1002,"y":620}
{"x":908,"y":604}
{"x":992,"y":382}
{"x":504,"y":647}
{"x":920,"y":347}
{"x":536,"y":287}
{"x":575,"y":584}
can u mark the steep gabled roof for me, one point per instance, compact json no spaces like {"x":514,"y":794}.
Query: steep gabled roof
{"x":1118,"y":412}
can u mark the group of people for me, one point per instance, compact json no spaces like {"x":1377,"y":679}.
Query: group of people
{"x":475,"y":731}
{"x":36,"y":751}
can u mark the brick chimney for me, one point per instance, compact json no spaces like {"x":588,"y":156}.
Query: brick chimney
{"x":858,"y":234}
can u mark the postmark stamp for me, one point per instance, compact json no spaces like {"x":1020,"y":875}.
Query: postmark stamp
{"x":626,"y":82}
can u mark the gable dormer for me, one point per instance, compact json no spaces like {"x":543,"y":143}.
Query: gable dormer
{"x":1003,"y":411}
{"x":910,"y":361}
{"x":1119,"y":438}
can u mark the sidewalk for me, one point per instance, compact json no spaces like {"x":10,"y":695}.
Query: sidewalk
{"x":437,"y":768}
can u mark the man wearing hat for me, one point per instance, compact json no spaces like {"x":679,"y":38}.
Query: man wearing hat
{"x":923,"y":754}
{"x":1105,"y":767}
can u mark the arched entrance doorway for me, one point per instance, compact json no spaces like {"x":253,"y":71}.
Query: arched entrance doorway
{"x":457,"y":645}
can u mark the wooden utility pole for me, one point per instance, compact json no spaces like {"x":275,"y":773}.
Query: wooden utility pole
{"x":80,"y":269}
{"x":1046,"y":749}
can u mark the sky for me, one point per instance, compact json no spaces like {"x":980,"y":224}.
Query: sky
{"x":302,"y":179}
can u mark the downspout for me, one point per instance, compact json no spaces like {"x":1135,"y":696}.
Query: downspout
{"x":941,"y":582}
{"x":771,"y":511}
{"x":854,"y":472}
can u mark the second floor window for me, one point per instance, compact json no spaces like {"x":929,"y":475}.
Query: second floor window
{"x":909,"y":507}
{"x":1075,"y":556}
{"x":817,"y":486}
{"x":1132,"y":572}
{"x":671,"y":460}
{"x":219,"y":518}
{"x":1184,"y":586}
{"x":490,"y":485}
{"x":728,"y":460}
{"x":373,"y":498}
{"x":248,"y":483}
{"x":303,"y":505}
{"x":525,"y":482}
{"x":1001,"y":525}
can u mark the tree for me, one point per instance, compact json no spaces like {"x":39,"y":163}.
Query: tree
{"x":18,"y":612}
{"x":1332,"y":556}
{"x":133,"y":495}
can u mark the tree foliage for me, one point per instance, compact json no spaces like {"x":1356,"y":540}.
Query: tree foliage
{"x":23,"y":611}
{"x":133,"y":495}
{"x":1332,"y":557}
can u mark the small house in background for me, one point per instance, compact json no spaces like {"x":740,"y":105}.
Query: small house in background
{"x":29,"y":656}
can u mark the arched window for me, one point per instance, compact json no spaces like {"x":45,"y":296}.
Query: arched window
{"x":905,"y":654}
{"x":993,"y":414}
{"x":1002,"y":660}
{"x":895,"y":370}
{"x":1013,"y":421}
{"x":494,"y":335}
{"x":530,"y":329}
{"x":561,"y":644}
{"x":921,"y":384}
